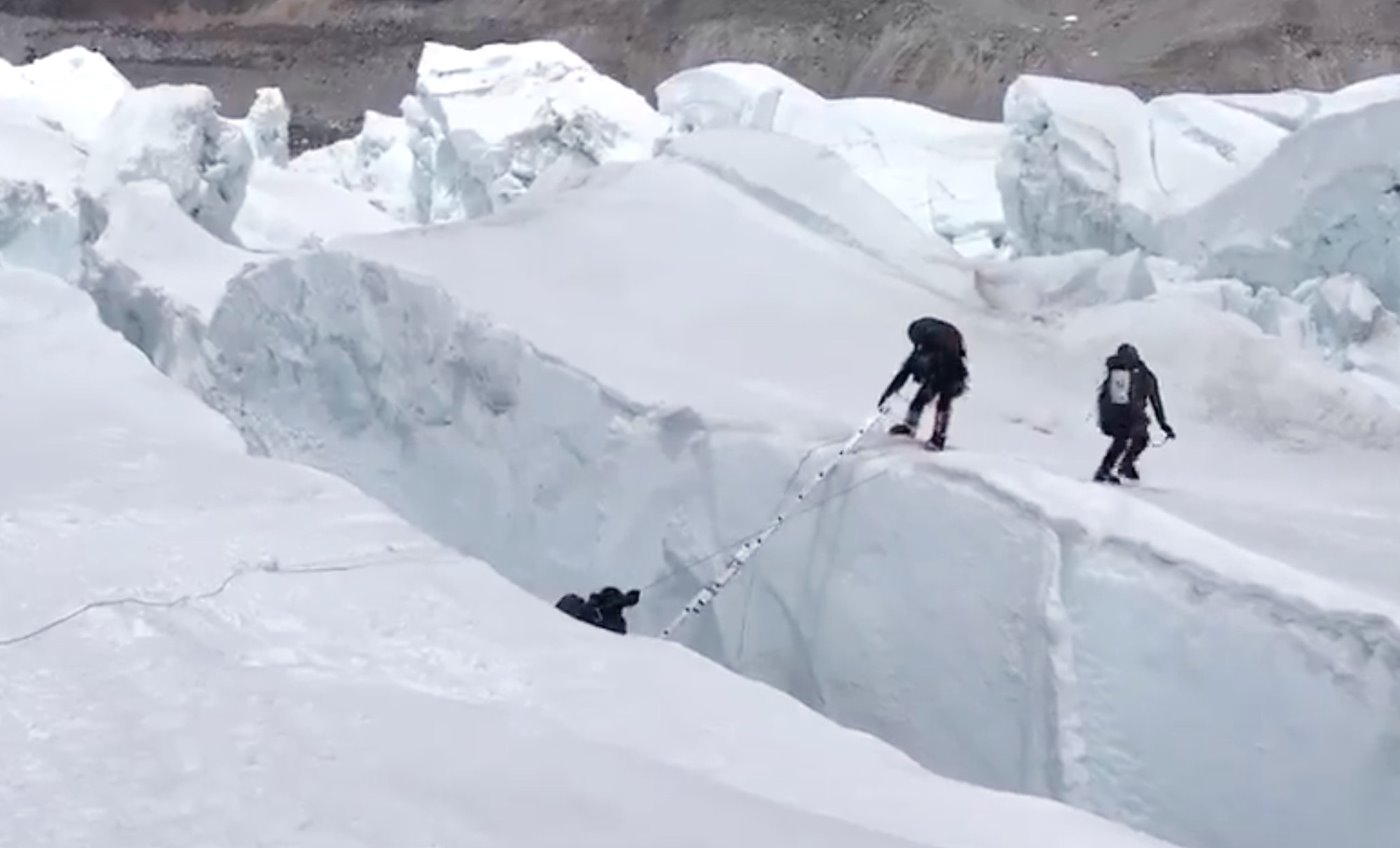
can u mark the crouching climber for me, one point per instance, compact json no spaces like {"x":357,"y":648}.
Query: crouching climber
{"x":602,"y":609}
{"x":1126,"y":390}
{"x":938,"y":364}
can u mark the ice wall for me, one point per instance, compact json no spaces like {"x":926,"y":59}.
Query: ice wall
{"x":41,"y":218}
{"x":1272,"y":189}
{"x":1325,"y":202}
{"x":1093,"y":166}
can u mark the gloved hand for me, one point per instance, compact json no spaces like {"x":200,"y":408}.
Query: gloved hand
{"x":883,"y":399}
{"x":1171,"y":434}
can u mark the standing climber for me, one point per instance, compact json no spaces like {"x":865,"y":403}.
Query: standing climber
{"x":1123,"y":397}
{"x":602,"y":609}
{"x":938,"y":364}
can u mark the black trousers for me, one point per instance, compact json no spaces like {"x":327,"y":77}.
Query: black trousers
{"x":1129,"y":441}
{"x":927,"y":392}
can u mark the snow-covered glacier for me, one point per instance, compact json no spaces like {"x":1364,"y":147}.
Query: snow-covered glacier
{"x":719,"y":305}
{"x":964,"y":608}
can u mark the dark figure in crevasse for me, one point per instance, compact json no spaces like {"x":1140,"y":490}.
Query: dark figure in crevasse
{"x":1126,"y":390}
{"x":938,"y":364}
{"x":602,"y":609}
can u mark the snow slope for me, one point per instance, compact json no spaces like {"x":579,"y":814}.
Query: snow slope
{"x":250,"y":649}
{"x":938,"y":170}
{"x":668,"y":391}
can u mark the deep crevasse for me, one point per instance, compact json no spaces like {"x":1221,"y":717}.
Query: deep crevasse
{"x":911,"y":603}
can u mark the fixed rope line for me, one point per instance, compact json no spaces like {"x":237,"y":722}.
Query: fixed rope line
{"x":707,"y":594}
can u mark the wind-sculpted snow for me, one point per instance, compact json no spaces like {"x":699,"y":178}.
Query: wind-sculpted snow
{"x":174,"y":134}
{"x":255,"y":601}
{"x":938,"y":170}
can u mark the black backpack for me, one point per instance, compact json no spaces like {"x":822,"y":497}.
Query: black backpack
{"x":577,"y":607}
{"x":935,"y":334}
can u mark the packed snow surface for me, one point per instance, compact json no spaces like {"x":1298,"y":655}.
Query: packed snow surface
{"x":711,"y":313}
{"x":938,"y":170}
{"x":249,"y":648}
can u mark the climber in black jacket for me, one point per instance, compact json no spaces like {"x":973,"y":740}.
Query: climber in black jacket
{"x":602,"y":609}
{"x":1127,"y":389}
{"x":938,"y":364}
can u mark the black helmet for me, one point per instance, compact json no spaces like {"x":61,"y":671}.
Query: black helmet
{"x":1128,"y":352}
